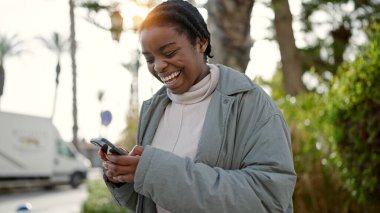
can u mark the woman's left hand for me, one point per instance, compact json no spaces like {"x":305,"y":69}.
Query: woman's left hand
{"x":122,"y":168}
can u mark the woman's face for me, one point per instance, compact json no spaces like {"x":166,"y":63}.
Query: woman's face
{"x":172,"y":59}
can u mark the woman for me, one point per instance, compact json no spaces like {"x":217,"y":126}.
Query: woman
{"x":209,"y":140}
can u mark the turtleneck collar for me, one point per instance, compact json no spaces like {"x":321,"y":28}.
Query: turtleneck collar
{"x":199,"y":91}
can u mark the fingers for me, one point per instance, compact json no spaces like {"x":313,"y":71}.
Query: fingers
{"x":103,"y":152}
{"x":128,"y":165}
{"x":104,"y":148}
{"x":102,"y":155}
{"x":112,"y":179}
{"x":122,"y":178}
{"x":126,"y":151}
{"x":129,"y":178}
{"x":137,"y":150}
{"x":121,"y":168}
{"x":123,"y":160}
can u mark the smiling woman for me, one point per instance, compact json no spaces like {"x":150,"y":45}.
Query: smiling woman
{"x":209,"y":133}
{"x":172,"y":59}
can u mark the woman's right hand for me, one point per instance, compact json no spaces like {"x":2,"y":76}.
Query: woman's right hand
{"x":121,"y":168}
{"x":102,"y":152}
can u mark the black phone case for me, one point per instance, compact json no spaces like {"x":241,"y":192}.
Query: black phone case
{"x":100,"y":142}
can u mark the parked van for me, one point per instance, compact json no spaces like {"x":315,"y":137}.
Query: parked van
{"x":32,"y":153}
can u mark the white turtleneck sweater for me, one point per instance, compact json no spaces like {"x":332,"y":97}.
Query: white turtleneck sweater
{"x":180,"y":127}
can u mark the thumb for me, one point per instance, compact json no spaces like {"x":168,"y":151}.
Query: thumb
{"x":137,"y":150}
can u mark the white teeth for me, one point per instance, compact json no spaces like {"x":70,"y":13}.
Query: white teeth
{"x":170,"y":77}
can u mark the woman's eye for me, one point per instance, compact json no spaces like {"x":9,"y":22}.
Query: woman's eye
{"x":149,"y":61}
{"x":170,"y":54}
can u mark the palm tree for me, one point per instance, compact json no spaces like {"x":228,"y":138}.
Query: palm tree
{"x":56,"y":44}
{"x":9,"y":46}
{"x":73,"y":50}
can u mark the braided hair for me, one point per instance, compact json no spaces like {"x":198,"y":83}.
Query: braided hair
{"x":184,"y":17}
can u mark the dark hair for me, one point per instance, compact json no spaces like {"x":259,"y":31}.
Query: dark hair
{"x":185,"y":18}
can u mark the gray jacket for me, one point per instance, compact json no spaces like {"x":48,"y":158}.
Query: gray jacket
{"x":243,"y":163}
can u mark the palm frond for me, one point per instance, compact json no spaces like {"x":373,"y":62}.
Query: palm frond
{"x":45,"y":42}
{"x":55,"y":43}
{"x":10,"y":46}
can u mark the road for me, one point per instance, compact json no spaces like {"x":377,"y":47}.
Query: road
{"x":62,"y":199}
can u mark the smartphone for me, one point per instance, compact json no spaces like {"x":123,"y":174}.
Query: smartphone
{"x":100,"y":142}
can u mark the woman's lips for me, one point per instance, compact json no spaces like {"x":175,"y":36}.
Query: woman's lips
{"x":168,"y":79}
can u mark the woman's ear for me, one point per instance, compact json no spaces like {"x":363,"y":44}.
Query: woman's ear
{"x":202,"y":45}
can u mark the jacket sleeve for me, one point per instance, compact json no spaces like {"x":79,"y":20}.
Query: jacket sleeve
{"x":264,"y":183}
{"x":124,"y":194}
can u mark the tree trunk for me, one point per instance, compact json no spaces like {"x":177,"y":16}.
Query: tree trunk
{"x":341,"y":37}
{"x":54,"y":102}
{"x":57,"y":71}
{"x":290,"y":59}
{"x":2,"y":80}
{"x":73,"y":48}
{"x":229,"y":25}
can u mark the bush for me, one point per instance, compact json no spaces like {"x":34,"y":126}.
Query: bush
{"x":319,"y":187}
{"x":354,"y":110}
{"x":335,"y":138}
{"x":100,"y":199}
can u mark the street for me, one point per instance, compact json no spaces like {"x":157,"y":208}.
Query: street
{"x":61,"y":199}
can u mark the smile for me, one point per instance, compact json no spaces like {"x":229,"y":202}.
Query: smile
{"x":170,"y":77}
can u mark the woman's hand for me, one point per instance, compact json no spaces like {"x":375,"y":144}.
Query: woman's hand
{"x":102,"y":152}
{"x":121,"y":168}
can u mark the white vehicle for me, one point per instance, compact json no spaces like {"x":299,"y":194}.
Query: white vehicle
{"x":32,"y":153}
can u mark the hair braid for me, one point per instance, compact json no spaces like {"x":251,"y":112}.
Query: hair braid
{"x":186,"y":19}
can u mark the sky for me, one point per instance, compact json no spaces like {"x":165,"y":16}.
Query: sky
{"x":30,"y":78}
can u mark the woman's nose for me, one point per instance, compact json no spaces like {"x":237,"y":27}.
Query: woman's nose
{"x":160,"y":65}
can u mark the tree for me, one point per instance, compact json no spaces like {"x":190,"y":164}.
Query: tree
{"x":116,"y":19}
{"x":9,"y":46}
{"x":130,"y":132}
{"x":354,"y":110}
{"x":73,"y":49}
{"x":320,"y":54}
{"x":345,"y":19}
{"x":229,"y":25}
{"x":57,"y":44}
{"x":290,"y":59}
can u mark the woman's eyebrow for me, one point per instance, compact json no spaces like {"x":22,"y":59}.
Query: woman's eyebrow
{"x":145,"y":53}
{"x":166,"y":45}
{"x":161,"y":48}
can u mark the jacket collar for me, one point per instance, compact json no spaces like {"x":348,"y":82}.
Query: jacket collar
{"x":227,"y":75}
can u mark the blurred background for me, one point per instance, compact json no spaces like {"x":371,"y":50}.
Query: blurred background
{"x":77,"y":64}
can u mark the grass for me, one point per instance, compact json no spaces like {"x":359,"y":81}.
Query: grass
{"x":100,"y":199}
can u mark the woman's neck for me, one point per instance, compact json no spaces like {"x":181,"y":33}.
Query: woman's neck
{"x":206,"y":71}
